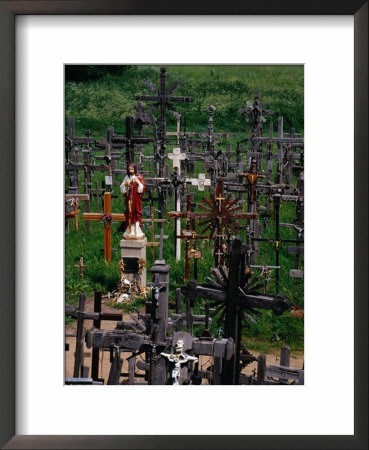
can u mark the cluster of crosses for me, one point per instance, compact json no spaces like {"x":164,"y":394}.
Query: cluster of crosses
{"x":242,"y":189}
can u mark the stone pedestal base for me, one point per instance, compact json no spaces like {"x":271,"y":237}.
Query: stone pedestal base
{"x":135,"y":248}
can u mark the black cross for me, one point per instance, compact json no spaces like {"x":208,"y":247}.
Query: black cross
{"x":163,"y":100}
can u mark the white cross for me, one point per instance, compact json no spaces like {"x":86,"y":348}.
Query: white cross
{"x":200,"y":182}
{"x":177,"y":157}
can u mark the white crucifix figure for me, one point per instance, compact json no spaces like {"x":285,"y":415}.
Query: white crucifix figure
{"x":200,"y":182}
{"x":177,"y":157}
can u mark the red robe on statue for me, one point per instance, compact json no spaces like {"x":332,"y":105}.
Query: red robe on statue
{"x":133,"y":202}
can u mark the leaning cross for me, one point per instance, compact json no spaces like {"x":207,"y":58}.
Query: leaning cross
{"x":107,"y":217}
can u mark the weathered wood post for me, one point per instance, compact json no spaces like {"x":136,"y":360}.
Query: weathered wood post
{"x":95,"y":351}
{"x":179,"y":308}
{"x":79,"y":370}
{"x":285,"y":356}
{"x":231,"y":369}
{"x":160,"y":291}
{"x":261,"y":369}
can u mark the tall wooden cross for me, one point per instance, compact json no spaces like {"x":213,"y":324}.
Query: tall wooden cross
{"x":235,"y":305}
{"x":128,"y":141}
{"x":152,"y":222}
{"x":256,"y":114}
{"x":163,"y":99}
{"x":107,"y":217}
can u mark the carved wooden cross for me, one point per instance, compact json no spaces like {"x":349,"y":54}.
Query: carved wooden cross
{"x":107,"y":217}
{"x":233,"y":304}
{"x":75,"y":200}
{"x":256,"y":114}
{"x":163,"y":99}
{"x":221,"y":218}
{"x":252,"y":177}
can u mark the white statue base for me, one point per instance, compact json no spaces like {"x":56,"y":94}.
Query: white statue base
{"x":135,"y":248}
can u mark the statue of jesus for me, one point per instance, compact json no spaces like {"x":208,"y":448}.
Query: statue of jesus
{"x":133,"y":188}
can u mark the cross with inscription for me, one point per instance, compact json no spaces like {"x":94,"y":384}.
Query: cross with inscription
{"x":107,"y":217}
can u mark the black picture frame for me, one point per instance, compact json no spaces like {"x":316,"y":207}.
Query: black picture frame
{"x":8,"y":11}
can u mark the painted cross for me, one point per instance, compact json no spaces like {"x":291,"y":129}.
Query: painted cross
{"x":177,"y":157}
{"x":200,"y":181}
{"x":107,"y":217}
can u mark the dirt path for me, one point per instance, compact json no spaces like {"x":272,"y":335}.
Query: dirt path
{"x":297,"y":358}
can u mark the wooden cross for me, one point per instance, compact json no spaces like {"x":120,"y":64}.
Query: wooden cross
{"x":75,"y":200}
{"x":152,"y":222}
{"x":161,"y":236}
{"x":221,"y":218}
{"x":256,"y":114}
{"x":163,"y":99}
{"x":252,"y":177}
{"x":233,"y":304}
{"x":176,"y":133}
{"x":107,"y":217}
{"x":129,"y":140}
{"x":80,"y":266}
